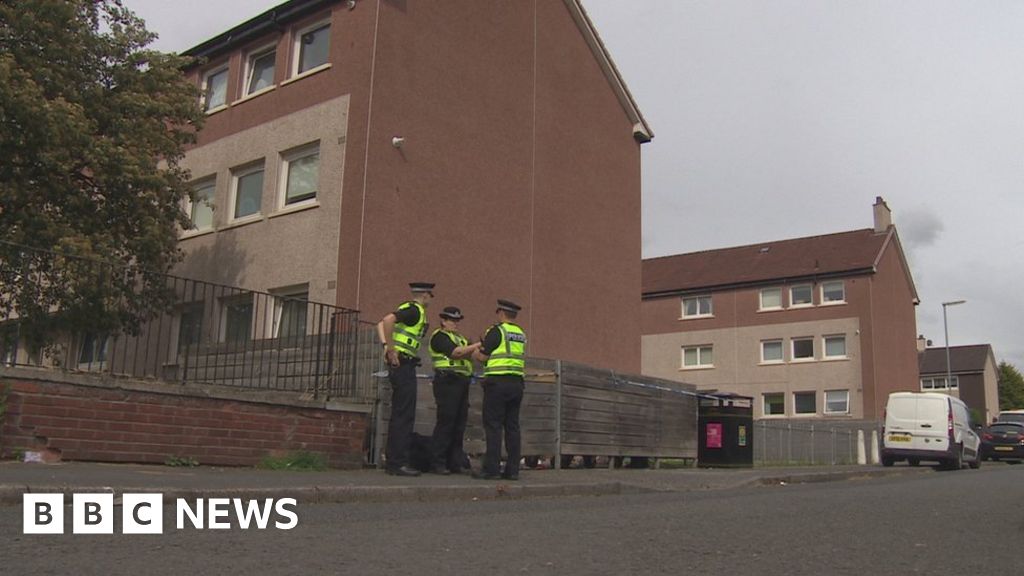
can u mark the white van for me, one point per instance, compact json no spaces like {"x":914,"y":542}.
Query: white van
{"x":928,"y":426}
{"x":1011,"y":416}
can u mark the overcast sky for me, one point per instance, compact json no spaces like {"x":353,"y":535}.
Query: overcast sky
{"x":778,"y":119}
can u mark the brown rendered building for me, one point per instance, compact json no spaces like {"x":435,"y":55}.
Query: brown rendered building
{"x":813,"y":327}
{"x":485,"y":145}
{"x":974,"y":376}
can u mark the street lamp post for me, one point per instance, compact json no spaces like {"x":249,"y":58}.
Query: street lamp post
{"x":945,"y":328}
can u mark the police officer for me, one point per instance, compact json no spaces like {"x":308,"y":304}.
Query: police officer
{"x":503,"y":352}
{"x":400,"y":332}
{"x":451,"y":353}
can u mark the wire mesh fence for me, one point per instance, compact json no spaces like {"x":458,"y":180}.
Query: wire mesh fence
{"x":804,"y":443}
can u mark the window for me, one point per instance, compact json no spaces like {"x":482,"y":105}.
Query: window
{"x":248,"y":191}
{"x":93,"y":353}
{"x":774,"y":404}
{"x":311,"y":47}
{"x":771,"y":299}
{"x":802,"y":295}
{"x":8,"y":345}
{"x":697,"y":357}
{"x":771,"y":351}
{"x":835,"y":346}
{"x":200,"y":210}
{"x":939,"y":383}
{"x":837,"y":402}
{"x":301,"y":175}
{"x":833,"y":292}
{"x":694,"y":306}
{"x":215,"y":89}
{"x":237,"y":320}
{"x":803,"y":349}
{"x":260,"y":70}
{"x":290,"y":314}
{"x":190,"y":327}
{"x":805,"y":403}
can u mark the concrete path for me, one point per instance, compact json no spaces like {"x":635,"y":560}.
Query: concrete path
{"x":340,"y":486}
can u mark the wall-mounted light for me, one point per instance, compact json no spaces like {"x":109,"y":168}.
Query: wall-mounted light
{"x":351,"y":4}
{"x":397,"y":141}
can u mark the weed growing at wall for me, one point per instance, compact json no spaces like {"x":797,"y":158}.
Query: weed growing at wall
{"x":295,"y":461}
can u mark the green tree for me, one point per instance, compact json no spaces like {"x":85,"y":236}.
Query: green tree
{"x":92,"y":128}
{"x":1011,"y":387}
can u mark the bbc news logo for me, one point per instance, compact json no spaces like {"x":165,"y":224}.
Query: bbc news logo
{"x":144,"y":513}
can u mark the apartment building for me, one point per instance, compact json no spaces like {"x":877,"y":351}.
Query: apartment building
{"x":817,"y":327}
{"x":351,"y":147}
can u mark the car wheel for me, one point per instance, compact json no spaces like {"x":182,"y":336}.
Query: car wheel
{"x":976,"y":463}
{"x":887,"y":461}
{"x":957,"y":461}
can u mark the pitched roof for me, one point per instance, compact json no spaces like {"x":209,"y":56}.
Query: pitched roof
{"x":295,"y":9}
{"x":837,"y":254}
{"x":961,"y":359}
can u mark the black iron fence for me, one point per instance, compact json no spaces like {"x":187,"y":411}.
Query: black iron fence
{"x":215,"y":334}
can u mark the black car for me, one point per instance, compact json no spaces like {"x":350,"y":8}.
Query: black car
{"x":1003,"y":441}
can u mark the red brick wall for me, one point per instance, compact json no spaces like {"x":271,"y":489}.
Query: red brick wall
{"x":113,"y":424}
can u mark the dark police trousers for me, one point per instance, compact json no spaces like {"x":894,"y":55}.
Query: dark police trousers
{"x":502,"y":397}
{"x":403,"y":411}
{"x":451,"y":392}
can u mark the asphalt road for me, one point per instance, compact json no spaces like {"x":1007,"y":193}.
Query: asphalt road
{"x":965,"y":522}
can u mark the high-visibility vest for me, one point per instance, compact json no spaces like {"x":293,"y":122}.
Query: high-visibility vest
{"x":510,"y":355}
{"x":441,"y":362}
{"x":406,"y":339}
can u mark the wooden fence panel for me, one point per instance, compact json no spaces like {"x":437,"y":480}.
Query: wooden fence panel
{"x":574,"y":409}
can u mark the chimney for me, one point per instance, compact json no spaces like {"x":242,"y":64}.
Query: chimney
{"x":883,"y":216}
{"x":922,"y":343}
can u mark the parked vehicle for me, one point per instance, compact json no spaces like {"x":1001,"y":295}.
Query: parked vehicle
{"x":1003,"y":441}
{"x":1011,"y":416}
{"x":928,"y":426}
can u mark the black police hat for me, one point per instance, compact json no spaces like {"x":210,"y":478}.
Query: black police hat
{"x":451,"y":313}
{"x":509,"y":306}
{"x":421,"y":286}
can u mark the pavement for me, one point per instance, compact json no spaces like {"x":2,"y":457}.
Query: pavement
{"x":351,"y":486}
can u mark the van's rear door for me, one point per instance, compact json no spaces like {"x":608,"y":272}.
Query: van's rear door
{"x":917,"y":422}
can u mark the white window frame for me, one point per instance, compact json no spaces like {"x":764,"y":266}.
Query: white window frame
{"x":813,"y":395}
{"x":824,"y":347}
{"x":939,"y":383}
{"x":760,"y":299}
{"x":825,"y":302}
{"x":711,"y":308}
{"x":190,"y":206}
{"x":700,"y":357}
{"x":223,"y":68}
{"x":236,"y":175}
{"x":846,"y":400}
{"x":281,"y":295}
{"x":764,"y":404}
{"x":792,"y":349}
{"x":810,"y":289}
{"x":250,"y":59}
{"x":225,"y":304}
{"x":297,"y":48}
{"x":287,"y":158}
{"x":782,"y":351}
{"x":102,"y":351}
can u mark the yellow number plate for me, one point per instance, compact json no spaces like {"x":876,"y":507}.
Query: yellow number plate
{"x":1004,"y":448}
{"x":899,"y":438}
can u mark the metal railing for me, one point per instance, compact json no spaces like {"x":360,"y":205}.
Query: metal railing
{"x":824,"y":443}
{"x":223,"y":335}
